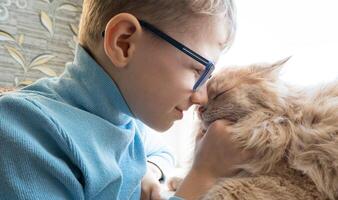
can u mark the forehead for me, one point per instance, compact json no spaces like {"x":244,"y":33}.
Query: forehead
{"x":207,"y":36}
{"x":231,"y":77}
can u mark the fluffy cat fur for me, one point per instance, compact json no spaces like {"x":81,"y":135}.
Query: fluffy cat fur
{"x":293,"y":132}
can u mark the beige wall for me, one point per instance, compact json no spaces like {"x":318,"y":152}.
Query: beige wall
{"x":36,"y":29}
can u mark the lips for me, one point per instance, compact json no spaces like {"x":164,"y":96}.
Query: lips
{"x":179,"y":109}
{"x":180,"y":113}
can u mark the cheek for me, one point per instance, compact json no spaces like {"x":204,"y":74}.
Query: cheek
{"x":162,"y":81}
{"x":164,"y":87}
{"x":173,"y":80}
{"x":168,"y":67}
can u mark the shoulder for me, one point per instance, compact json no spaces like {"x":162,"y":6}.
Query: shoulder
{"x":15,"y":101}
{"x":19,"y":101}
{"x":22,"y":117}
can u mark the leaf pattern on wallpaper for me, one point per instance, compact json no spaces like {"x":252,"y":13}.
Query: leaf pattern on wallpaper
{"x":47,"y":1}
{"x":18,"y":57}
{"x":36,"y":63}
{"x":40,"y":60}
{"x":20,"y":39}
{"x":4,"y":36}
{"x":46,"y":13}
{"x":26,"y":82}
{"x":17,"y":82}
{"x":46,"y":22}
{"x":46,"y":70}
{"x":74,"y":28}
{"x":72,"y":44}
{"x":68,"y":7}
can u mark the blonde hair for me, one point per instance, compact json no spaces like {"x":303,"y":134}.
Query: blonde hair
{"x":97,"y":13}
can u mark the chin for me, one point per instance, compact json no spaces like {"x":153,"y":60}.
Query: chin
{"x":162,"y":127}
{"x":157,"y":123}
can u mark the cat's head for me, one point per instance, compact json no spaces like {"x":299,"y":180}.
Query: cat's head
{"x":253,"y":101}
{"x":235,"y":92}
{"x":276,"y":125}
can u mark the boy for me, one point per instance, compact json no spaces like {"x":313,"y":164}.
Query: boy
{"x":80,"y":136}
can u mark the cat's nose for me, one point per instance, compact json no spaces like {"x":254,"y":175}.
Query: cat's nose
{"x":201,"y":109}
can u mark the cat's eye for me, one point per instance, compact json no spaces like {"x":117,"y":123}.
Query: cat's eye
{"x":219,"y":94}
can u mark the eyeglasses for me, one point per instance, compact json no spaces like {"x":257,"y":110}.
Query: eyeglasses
{"x":209,"y":65}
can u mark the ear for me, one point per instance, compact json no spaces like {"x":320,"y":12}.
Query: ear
{"x":121,"y":35}
{"x":271,"y":71}
{"x":278,"y":66}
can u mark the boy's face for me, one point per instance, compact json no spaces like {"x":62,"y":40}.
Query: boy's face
{"x":158,"y":79}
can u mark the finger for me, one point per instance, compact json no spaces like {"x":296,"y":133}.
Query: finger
{"x":145,"y":194}
{"x":247,"y":155}
{"x":218,"y":129}
{"x":156,"y":193}
{"x":213,"y":127}
{"x":220,"y":124}
{"x":201,"y":132}
{"x":172,"y":185}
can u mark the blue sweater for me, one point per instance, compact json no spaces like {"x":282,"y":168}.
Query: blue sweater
{"x":74,"y":137}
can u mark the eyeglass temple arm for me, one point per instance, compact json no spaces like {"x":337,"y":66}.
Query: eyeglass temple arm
{"x":175,"y":43}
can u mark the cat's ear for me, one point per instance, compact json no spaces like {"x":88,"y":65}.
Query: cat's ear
{"x":277,"y":66}
{"x":273,"y":70}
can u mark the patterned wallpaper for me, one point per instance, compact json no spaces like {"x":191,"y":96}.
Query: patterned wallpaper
{"x":37,"y":38}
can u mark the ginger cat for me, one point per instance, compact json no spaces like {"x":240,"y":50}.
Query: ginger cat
{"x":293,"y":132}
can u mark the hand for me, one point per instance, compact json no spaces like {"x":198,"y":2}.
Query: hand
{"x":174,"y":183}
{"x":150,"y":185}
{"x":215,"y":157}
{"x":215,"y":154}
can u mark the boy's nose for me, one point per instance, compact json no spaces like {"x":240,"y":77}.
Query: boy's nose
{"x":200,"y":96}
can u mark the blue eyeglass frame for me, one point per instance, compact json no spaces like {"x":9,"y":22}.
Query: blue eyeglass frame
{"x":209,"y":65}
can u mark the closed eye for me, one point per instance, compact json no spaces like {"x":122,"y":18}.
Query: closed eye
{"x":198,"y":70}
{"x":220,"y":94}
